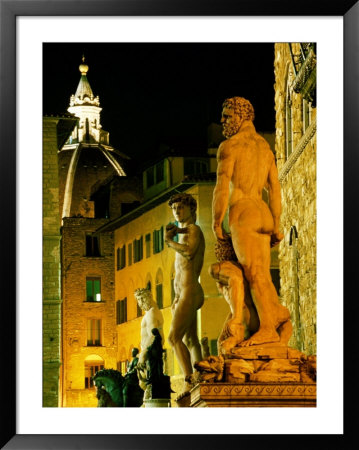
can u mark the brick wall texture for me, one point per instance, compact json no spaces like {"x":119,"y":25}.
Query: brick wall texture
{"x":76,"y":310}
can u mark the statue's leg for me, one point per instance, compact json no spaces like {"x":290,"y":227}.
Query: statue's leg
{"x":253,"y":252}
{"x":235,"y":324}
{"x":182,"y":318}
{"x":191,"y":341}
{"x":224,"y":334}
{"x":230,"y":283}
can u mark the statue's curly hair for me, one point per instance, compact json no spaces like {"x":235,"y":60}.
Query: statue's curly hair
{"x":186,"y":199}
{"x":143,"y":291}
{"x":224,"y":250}
{"x":241,"y":106}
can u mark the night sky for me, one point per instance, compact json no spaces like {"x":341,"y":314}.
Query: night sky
{"x":154,"y":95}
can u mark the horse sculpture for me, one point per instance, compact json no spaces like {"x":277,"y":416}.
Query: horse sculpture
{"x":114,"y":390}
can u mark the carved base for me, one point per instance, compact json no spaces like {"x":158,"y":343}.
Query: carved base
{"x":251,"y":394}
{"x":258,"y":375}
{"x":157,"y":403}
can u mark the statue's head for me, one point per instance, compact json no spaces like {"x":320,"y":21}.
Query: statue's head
{"x":135,"y":352}
{"x":235,"y":111}
{"x":183,"y":204}
{"x":144,"y":298}
{"x":155,"y":332}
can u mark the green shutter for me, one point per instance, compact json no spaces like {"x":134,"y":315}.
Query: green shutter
{"x":89,"y":290}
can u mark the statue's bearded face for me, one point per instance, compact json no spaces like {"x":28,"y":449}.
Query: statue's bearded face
{"x":231,"y":122}
{"x":144,"y":300}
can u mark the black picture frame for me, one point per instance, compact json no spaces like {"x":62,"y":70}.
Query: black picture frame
{"x":9,"y":10}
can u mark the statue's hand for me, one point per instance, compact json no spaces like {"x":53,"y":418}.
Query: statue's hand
{"x":218,"y":231}
{"x":276,"y":238}
{"x":171,"y":231}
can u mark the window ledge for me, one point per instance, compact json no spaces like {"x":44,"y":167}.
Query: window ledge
{"x":94,"y":301}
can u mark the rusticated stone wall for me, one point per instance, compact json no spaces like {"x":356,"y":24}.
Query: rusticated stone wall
{"x":51,"y":266}
{"x":297,"y":174}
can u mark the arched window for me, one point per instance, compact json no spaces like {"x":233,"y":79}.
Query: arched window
{"x":295,"y":299}
{"x":306,"y":114}
{"x":93,"y":363}
{"x":148,"y":284}
{"x":288,"y":123}
{"x":159,"y":288}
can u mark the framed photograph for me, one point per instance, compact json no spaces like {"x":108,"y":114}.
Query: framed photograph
{"x":36,"y":39}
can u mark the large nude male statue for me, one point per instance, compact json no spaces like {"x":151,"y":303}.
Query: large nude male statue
{"x":188,"y":291}
{"x":246,"y":165}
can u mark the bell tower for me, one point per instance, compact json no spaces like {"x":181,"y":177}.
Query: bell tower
{"x":86,"y":107}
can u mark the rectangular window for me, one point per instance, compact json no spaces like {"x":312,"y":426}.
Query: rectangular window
{"x":213,"y":347}
{"x":121,"y":257}
{"x":129,"y":254}
{"x":121,"y":311}
{"x":92,"y":247}
{"x":118,"y":258}
{"x":159,"y":295}
{"x":196,"y":166}
{"x":93,"y":332}
{"x":175,"y":238}
{"x":93,"y":289}
{"x":138,"y":249}
{"x":158,"y":240}
{"x":90,"y":371}
{"x":139,"y":311}
{"x":306,"y":115}
{"x":148,"y":245}
{"x":159,"y":172}
{"x":150,"y":175}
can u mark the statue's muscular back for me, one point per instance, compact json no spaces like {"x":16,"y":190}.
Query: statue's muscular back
{"x":252,"y":159}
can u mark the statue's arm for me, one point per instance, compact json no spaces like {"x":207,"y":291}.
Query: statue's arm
{"x":274,"y":201}
{"x":225,"y":166}
{"x":187,"y":249}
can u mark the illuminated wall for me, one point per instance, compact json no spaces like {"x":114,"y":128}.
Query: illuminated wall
{"x":89,"y":322}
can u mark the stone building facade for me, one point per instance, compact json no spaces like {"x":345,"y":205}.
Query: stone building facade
{"x":54,"y":129}
{"x":87,"y":161}
{"x":295,"y":146}
{"x":89,"y":339}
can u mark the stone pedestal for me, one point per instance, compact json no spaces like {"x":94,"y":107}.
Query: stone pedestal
{"x":250,"y":394}
{"x":260,"y":375}
{"x":157,"y":403}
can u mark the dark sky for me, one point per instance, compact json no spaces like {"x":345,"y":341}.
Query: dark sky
{"x":154,"y":94}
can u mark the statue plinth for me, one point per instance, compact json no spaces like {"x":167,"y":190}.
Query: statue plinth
{"x":157,"y":403}
{"x":258,"y":375}
{"x":251,"y":394}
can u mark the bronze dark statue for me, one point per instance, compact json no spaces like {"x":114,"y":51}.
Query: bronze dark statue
{"x":158,"y":384}
{"x":114,"y":390}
